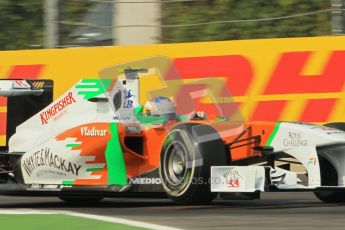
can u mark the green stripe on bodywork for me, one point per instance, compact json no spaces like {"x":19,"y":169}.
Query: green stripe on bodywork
{"x":274,"y":133}
{"x":181,"y":118}
{"x":100,"y":86}
{"x":93,"y":169}
{"x":146,"y":119}
{"x":115,"y":160}
{"x":222,"y":119}
{"x":67,"y":182}
{"x":73,"y":145}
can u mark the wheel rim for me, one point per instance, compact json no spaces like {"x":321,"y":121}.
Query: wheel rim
{"x":176,"y":170}
{"x":176,"y":164}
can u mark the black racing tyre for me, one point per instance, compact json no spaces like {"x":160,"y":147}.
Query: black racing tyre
{"x":188,"y":153}
{"x":329,"y":176}
{"x":330,"y":196}
{"x":81,"y":199}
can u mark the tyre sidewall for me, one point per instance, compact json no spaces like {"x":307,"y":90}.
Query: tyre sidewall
{"x":207,"y":149}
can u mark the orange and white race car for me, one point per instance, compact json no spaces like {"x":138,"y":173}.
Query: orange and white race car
{"x":100,"y":140}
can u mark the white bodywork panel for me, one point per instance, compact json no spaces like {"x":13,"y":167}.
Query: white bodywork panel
{"x":309,"y":159}
{"x":301,"y":142}
{"x":56,"y":163}
{"x":10,"y":88}
{"x":47,"y":160}
{"x":237,"y":178}
{"x":130,"y":101}
{"x":250,"y":178}
{"x":47,"y":123}
{"x":292,"y":135}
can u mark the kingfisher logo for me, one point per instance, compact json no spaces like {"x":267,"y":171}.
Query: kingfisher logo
{"x":57,"y":108}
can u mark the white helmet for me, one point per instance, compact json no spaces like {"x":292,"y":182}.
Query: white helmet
{"x":160,"y":106}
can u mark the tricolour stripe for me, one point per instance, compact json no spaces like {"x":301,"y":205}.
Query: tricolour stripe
{"x":67,"y":182}
{"x":71,"y":145}
{"x":115,"y":160}
{"x":274,"y":133}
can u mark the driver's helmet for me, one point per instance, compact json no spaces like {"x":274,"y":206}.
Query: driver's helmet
{"x":160,"y":106}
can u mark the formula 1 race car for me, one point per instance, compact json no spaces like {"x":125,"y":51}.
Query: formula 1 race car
{"x":100,"y":140}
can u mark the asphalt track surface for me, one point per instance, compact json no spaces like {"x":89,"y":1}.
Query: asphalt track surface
{"x":299,"y":210}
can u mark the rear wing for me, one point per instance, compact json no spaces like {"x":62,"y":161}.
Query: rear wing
{"x":25,"y":98}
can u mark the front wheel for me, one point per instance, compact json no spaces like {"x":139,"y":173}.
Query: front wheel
{"x":188,"y":153}
{"x":329,"y":176}
{"x":330,"y":196}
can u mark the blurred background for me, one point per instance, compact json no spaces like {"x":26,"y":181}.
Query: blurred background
{"x":38,"y":24}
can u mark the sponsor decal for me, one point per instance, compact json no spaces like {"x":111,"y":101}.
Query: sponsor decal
{"x":128,"y":103}
{"x":289,"y":74}
{"x":45,"y":157}
{"x":295,"y":139}
{"x":121,"y":117}
{"x":145,"y":180}
{"x":57,"y":108}
{"x":35,"y":186}
{"x":93,"y":132}
{"x":233,"y":178}
{"x":50,"y":186}
{"x":46,"y":186}
{"x":133,"y":130}
{"x":312,"y":161}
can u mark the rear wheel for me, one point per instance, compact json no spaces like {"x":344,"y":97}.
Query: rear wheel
{"x":329,"y":176}
{"x":188,"y":153}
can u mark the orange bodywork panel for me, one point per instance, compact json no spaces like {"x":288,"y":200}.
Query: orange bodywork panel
{"x":152,"y":141}
{"x":142,"y":144}
{"x":92,"y":146}
{"x":261,"y":129}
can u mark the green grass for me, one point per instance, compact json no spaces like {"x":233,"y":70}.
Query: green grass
{"x":56,"y":222}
